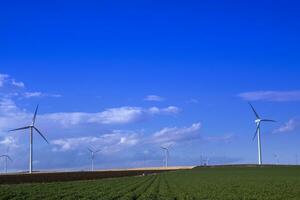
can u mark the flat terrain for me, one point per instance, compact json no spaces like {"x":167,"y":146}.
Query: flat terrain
{"x":45,"y":177}
{"x":222,"y":183}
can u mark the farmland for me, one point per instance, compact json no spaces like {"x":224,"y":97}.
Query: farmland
{"x":267,"y":182}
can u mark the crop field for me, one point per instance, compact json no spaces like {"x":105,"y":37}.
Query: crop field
{"x":199,"y":183}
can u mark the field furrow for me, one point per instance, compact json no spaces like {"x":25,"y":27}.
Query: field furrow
{"x":220,"y":183}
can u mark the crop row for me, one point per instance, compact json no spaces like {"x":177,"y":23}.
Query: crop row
{"x":219,"y":183}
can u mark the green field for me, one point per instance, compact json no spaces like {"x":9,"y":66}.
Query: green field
{"x":201,"y":183}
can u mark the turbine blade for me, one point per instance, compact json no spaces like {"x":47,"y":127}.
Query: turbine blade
{"x":41,"y":134}
{"x":90,"y":150}
{"x":255,"y":134}
{"x":9,"y":158}
{"x":17,"y":129}
{"x":268,"y":120}
{"x":6,"y":157}
{"x":257,"y":116}
{"x":97,"y":150}
{"x":34,"y":116}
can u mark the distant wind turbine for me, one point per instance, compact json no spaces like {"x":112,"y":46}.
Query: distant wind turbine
{"x":276,"y":159}
{"x":166,"y":150}
{"x":6,"y":158}
{"x":207,"y":161}
{"x":258,"y":122}
{"x":201,"y":160}
{"x":31,"y":128}
{"x":93,"y":152}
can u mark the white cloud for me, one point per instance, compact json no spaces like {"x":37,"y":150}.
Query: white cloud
{"x":53,"y":95}
{"x":3,"y":79}
{"x":277,"y":96}
{"x":17,"y":83}
{"x":10,"y":114}
{"x":175,"y":134}
{"x":289,"y":126}
{"x":7,"y":106}
{"x":14,"y":88}
{"x":154,"y":98}
{"x":108,"y":143}
{"x":171,"y":110}
{"x":121,"y":115}
{"x":9,"y":141}
{"x":32,"y":94}
{"x":39,"y":94}
{"x":118,"y":139}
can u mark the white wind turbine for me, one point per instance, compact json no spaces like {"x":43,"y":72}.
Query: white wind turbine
{"x":93,"y":152}
{"x":6,"y":158}
{"x":207,"y":161}
{"x":258,"y":122}
{"x":166,"y":150}
{"x":31,"y":128}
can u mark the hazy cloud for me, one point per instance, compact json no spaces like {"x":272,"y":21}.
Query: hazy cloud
{"x":154,"y":98}
{"x":39,"y":94}
{"x":3,"y":79}
{"x":277,"y":96}
{"x":222,"y":138}
{"x":17,"y":83}
{"x":14,"y":88}
{"x":6,"y":80}
{"x":9,"y":141}
{"x":195,"y":101}
{"x":289,"y":126}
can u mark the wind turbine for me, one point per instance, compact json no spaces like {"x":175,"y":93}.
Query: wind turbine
{"x":31,"y":128}
{"x":276,"y":158}
{"x":258,"y":122}
{"x":207,"y":161}
{"x":201,"y":160}
{"x":93,"y":156}
{"x":6,"y":157}
{"x":166,"y":150}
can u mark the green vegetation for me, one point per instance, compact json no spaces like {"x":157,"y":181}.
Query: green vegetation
{"x":200,"y":183}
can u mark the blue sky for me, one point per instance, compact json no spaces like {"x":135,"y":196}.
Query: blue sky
{"x":127,"y":77}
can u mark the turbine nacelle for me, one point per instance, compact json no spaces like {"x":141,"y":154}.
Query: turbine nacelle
{"x":257,"y":121}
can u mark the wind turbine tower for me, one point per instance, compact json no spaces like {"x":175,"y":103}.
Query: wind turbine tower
{"x":258,"y":122}
{"x":31,"y":128}
{"x":6,"y":158}
{"x":166,"y":150}
{"x":276,"y":159}
{"x":93,"y":152}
